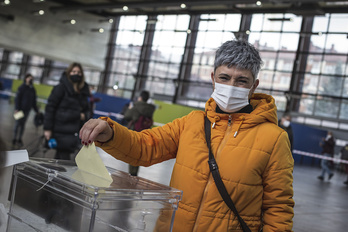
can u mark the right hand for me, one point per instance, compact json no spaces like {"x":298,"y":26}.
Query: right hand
{"x":47,"y":134}
{"x":95,"y":130}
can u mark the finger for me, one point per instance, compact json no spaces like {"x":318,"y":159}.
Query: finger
{"x":94,"y":129}
{"x":87,"y":129}
{"x":101,"y":132}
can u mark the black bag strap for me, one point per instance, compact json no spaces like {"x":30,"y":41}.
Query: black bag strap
{"x":217,"y":178}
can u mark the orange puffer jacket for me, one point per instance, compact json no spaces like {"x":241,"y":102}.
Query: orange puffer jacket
{"x":254,"y":159}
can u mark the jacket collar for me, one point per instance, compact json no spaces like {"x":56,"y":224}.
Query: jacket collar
{"x":264,"y":110}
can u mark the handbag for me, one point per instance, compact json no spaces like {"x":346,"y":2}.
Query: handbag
{"x":217,"y":178}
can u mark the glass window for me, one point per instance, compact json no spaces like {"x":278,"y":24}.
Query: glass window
{"x":281,"y":81}
{"x":326,"y":107}
{"x":213,"y":30}
{"x":336,"y":43}
{"x":167,"y":50}
{"x":310,"y":83}
{"x":338,"y":23}
{"x":306,"y":105}
{"x":320,"y":23}
{"x":14,"y":65}
{"x":129,"y":42}
{"x":344,"y":110}
{"x":330,"y":85}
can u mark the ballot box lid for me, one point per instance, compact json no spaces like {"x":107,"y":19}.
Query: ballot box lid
{"x":61,"y":176}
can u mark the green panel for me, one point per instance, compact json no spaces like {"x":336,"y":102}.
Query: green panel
{"x":167,"y":112}
{"x":42,"y":91}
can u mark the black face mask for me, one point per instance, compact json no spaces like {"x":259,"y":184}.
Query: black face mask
{"x":31,"y":82}
{"x":75,"y":78}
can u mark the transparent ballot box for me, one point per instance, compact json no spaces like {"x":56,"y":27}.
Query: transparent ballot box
{"x":47,"y":196}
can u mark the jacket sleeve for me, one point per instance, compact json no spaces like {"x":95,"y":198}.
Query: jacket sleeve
{"x":278,"y":200}
{"x":144,"y":148}
{"x":51,"y":106}
{"x":35,"y":102}
{"x":131,"y":114}
{"x":19,"y":96}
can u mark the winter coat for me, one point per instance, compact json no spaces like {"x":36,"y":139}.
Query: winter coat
{"x":254,"y":159}
{"x":329,"y":146}
{"x":139,"y":108}
{"x":63,"y":113}
{"x":26,"y":98}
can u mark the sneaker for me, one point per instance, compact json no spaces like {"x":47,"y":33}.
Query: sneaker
{"x":320,"y":178}
{"x":330,"y":176}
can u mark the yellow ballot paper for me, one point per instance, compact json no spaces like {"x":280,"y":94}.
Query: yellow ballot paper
{"x":91,"y":169}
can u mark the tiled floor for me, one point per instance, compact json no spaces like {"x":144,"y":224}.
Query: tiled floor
{"x":320,"y":206}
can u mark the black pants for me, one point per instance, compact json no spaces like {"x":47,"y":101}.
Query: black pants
{"x":19,"y":126}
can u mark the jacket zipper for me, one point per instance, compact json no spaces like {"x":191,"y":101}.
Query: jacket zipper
{"x":210,"y":178}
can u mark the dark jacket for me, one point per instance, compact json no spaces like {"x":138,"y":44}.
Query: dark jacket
{"x":63,"y":113}
{"x":328,"y":146}
{"x":26,"y":98}
{"x":139,"y":108}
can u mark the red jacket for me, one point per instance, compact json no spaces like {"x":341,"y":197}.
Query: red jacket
{"x":254,"y":159}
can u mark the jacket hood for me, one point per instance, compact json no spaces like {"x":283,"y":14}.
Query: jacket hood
{"x":264,"y":110}
{"x":69,"y":86}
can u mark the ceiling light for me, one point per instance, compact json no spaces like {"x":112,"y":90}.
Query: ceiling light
{"x":38,"y":13}
{"x":101,"y":30}
{"x":125,"y":8}
{"x":258,"y":3}
{"x":73,"y":21}
{"x":247,"y":32}
{"x":188,"y":31}
{"x":111,"y":20}
{"x":7,"y":2}
{"x":183,"y":5}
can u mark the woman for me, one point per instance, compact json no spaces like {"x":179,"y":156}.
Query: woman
{"x":66,"y":111}
{"x":25,"y":101}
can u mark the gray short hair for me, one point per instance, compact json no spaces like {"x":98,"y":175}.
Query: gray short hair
{"x":239,"y":54}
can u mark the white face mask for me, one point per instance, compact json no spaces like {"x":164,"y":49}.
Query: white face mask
{"x":230,"y":98}
{"x":286,"y":123}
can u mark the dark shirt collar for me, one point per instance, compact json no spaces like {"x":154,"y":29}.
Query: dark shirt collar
{"x":246,"y":109}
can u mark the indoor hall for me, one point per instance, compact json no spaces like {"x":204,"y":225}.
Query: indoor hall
{"x":319,"y":206}
{"x":168,"y":49}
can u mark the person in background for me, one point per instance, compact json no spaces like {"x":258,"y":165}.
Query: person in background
{"x":344,"y":156}
{"x":252,"y":152}
{"x":92,"y":101}
{"x":285,"y":123}
{"x":66,"y":110}
{"x":139,"y":108}
{"x":25,"y":101}
{"x":328,"y":145}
